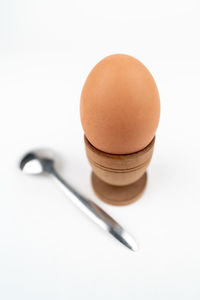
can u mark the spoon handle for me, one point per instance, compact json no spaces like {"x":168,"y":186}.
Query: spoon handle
{"x":98,"y":215}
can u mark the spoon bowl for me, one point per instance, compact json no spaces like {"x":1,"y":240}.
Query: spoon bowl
{"x":36,"y":162}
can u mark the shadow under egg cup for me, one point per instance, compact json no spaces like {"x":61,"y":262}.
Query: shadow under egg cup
{"x":119,"y":179}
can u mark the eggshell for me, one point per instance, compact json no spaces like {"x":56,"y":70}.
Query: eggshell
{"x":120,"y":105}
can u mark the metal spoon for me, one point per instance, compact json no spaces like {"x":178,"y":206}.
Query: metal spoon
{"x":37,"y":163}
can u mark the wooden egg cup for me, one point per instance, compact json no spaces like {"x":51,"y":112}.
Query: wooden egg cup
{"x":119,"y":179}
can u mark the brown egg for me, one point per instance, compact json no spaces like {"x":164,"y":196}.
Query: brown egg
{"x":120,"y":106}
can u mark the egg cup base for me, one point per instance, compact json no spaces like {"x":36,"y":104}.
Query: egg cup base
{"x":118,"y":195}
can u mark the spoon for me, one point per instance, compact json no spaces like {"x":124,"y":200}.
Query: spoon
{"x":37,"y":162}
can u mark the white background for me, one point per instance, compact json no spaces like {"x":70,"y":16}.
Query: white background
{"x":48,"y":248}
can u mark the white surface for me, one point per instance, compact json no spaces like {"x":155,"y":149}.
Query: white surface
{"x":48,"y":249}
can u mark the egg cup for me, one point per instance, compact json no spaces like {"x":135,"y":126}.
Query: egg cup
{"x":119,"y":179}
